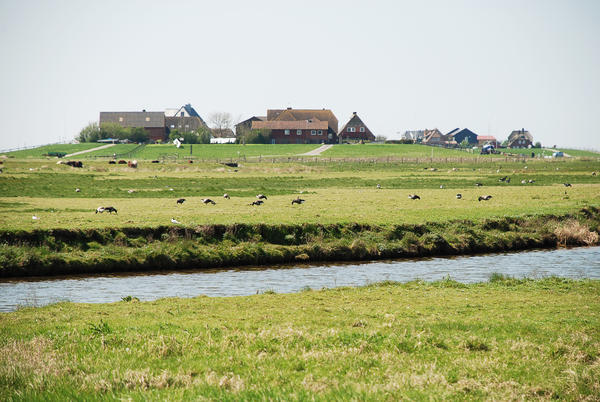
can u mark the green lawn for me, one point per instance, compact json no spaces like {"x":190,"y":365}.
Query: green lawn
{"x":222,"y":151}
{"x":396,"y":150}
{"x":115,"y":149}
{"x":503,"y":340}
{"x":39,"y":152}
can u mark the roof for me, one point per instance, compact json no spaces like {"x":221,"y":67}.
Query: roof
{"x":134,"y":119}
{"x":518,"y":133}
{"x":355,"y":121}
{"x":304,"y":114}
{"x":312,"y":124}
{"x":457,"y":131}
{"x":251,"y":119}
{"x":486,"y":138}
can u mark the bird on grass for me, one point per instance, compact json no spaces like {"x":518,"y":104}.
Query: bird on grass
{"x":208,"y":201}
{"x":261,"y":197}
{"x":378,"y":185}
{"x":478,"y":184}
{"x":35,"y":218}
{"x":77,"y":190}
{"x":441,"y":186}
{"x":175,"y":221}
{"x":181,"y":200}
{"x":257,"y":202}
{"x":567,"y":184}
{"x":458,"y":196}
{"x":414,"y":197}
{"x":297,"y":201}
{"x":226,"y":196}
{"x":484,"y":198}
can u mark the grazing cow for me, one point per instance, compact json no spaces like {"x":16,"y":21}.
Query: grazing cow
{"x":99,"y":209}
{"x":181,"y":200}
{"x":478,"y":184}
{"x":458,"y":196}
{"x":257,"y":202}
{"x":567,"y":184}
{"x":484,"y":198}
{"x":110,"y":210}
{"x":503,"y":178}
{"x":297,"y":201}
{"x":530,"y":181}
{"x":112,"y":162}
{"x":77,"y":164}
{"x":414,"y":197}
{"x":261,"y":197}
{"x":226,"y":196}
{"x":208,"y":201}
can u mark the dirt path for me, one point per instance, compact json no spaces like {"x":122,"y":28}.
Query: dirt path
{"x":89,"y":150}
{"x":317,"y":151}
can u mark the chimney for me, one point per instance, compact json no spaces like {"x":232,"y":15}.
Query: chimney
{"x":354,"y":113}
{"x":523,"y":130}
{"x":289,"y":108}
{"x":144,"y":110}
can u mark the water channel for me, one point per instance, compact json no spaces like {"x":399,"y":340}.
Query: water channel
{"x":574,"y":263}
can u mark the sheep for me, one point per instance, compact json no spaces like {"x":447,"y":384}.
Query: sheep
{"x":414,"y":197}
{"x":208,"y":201}
{"x":484,"y":198}
{"x":297,"y":201}
{"x":181,"y":200}
{"x":261,"y":197}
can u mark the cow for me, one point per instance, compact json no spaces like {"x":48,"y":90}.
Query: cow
{"x":226,"y":196}
{"x":261,"y":197}
{"x":257,"y":202}
{"x":132,"y":164}
{"x":208,"y":201}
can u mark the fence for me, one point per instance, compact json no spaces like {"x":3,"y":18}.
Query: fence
{"x":3,"y":151}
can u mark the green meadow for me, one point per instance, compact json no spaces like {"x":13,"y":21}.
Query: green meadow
{"x":506,"y":339}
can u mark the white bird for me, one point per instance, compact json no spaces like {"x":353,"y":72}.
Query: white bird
{"x":441,"y":186}
{"x":77,"y":190}
{"x":170,"y":189}
{"x":378,"y":185}
{"x":226,"y":196}
{"x":35,"y":218}
{"x":173,"y":220}
{"x":130,"y":191}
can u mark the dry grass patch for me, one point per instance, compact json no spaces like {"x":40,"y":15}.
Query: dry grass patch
{"x":573,"y":232}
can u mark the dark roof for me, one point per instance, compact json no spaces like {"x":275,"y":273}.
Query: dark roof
{"x":251,"y":119}
{"x":134,"y":119}
{"x":457,"y":131}
{"x":313,"y":124}
{"x":518,"y":133}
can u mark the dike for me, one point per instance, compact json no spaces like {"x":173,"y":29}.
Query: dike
{"x":136,"y":249}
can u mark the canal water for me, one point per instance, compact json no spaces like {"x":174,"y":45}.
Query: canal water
{"x":574,"y":263}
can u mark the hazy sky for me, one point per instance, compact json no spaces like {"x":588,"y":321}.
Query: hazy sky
{"x":491,"y":66}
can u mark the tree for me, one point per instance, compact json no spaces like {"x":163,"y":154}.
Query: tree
{"x":221,"y":122}
{"x":138,"y":134}
{"x":90,"y":133}
{"x":204,"y":135}
{"x":262,"y":136}
{"x":465,"y":143}
{"x":538,"y":144}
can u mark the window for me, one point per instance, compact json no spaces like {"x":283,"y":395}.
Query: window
{"x":182,"y":114}
{"x":287,"y":132}
{"x":187,"y":126}
{"x":298,"y":132}
{"x":172,"y":125}
{"x":320,"y":132}
{"x":362,"y":129}
{"x":147,"y":118}
{"x":313,"y":132}
{"x":351,"y":129}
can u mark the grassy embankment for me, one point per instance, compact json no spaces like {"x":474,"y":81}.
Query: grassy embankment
{"x":345,"y":217}
{"x":503,"y":340}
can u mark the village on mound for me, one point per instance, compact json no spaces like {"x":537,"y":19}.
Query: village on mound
{"x":290,"y":126}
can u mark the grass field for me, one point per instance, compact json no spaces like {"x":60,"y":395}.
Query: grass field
{"x":333,"y":192}
{"x":40,"y":151}
{"x":503,"y":340}
{"x":397,"y":150}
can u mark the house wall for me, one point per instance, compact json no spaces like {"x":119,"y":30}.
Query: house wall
{"x":293,"y":138}
{"x":521,"y":142}
{"x":156,"y":133}
{"x":471,"y":137}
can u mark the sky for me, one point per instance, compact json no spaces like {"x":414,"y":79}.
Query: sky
{"x":490,"y":66}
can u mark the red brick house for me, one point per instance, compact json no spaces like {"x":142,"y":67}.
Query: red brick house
{"x":299,"y":126}
{"x":310,"y":131}
{"x":356,"y":130}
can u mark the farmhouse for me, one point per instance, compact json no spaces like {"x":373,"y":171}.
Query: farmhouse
{"x":520,"y":139}
{"x":356,"y":130}
{"x":152,"y":122}
{"x":299,"y":126}
{"x":433,"y":137}
{"x":312,"y":131}
{"x":184,"y":119}
{"x":459,"y":135}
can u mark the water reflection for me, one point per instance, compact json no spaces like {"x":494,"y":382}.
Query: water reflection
{"x":570,"y":263}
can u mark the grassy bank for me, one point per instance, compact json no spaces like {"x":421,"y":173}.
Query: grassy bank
{"x":503,"y":340}
{"x":72,"y":251}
